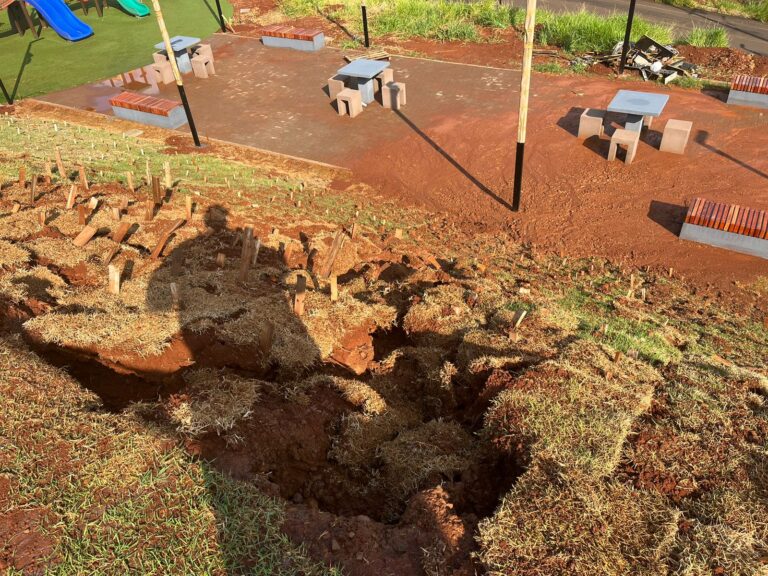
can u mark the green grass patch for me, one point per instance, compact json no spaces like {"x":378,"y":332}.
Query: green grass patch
{"x":588,"y":32}
{"x":598,"y":318}
{"x":714,"y":37}
{"x":120,"y":43}
{"x":755,"y":9}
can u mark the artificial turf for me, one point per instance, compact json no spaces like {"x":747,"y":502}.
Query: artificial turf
{"x":30,"y":67}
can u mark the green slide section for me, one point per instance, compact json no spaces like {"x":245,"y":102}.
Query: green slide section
{"x":134,"y":7}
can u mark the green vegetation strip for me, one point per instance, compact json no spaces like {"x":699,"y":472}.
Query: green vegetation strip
{"x":120,"y":43}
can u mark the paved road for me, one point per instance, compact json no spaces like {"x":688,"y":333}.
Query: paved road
{"x":748,"y":35}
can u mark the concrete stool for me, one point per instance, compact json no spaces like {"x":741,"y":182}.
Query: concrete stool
{"x":351,"y":101}
{"x":387,"y":75}
{"x":163,"y":72}
{"x":159,"y":57}
{"x":204,"y":50}
{"x":202,"y":66}
{"x":591,"y":123}
{"x":647,"y":121}
{"x":393,"y":95}
{"x":675,"y":136}
{"x":622,"y":137}
{"x":335,"y":85}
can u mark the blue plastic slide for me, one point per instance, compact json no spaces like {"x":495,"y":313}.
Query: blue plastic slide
{"x":60,"y":18}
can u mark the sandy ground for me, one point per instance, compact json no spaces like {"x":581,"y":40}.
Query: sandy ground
{"x":451,"y":150}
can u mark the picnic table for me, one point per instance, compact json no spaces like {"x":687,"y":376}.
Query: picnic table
{"x":181,"y":46}
{"x":364,"y":71}
{"x":637,"y":105}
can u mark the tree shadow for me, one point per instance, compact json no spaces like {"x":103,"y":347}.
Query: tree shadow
{"x":701,"y":140}
{"x":26,"y":60}
{"x":668,"y":216}
{"x":453,"y":162}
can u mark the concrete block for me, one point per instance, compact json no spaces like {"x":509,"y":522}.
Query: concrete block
{"x":349,"y":101}
{"x":741,"y":98}
{"x":675,"y":136}
{"x":163,"y":72}
{"x":386,"y":76}
{"x":393,"y":95}
{"x":175,"y":118}
{"x":316,"y":44}
{"x":623,"y":137}
{"x":591,"y":123}
{"x":336,"y":84}
{"x":202,"y":66}
{"x":728,"y":240}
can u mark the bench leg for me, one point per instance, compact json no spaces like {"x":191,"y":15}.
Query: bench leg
{"x":612,"y":151}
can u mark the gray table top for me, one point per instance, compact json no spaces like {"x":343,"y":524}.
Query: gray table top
{"x":179,"y":43}
{"x":364,"y":68}
{"x":639,"y":103}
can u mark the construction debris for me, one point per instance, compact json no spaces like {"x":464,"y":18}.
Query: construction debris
{"x":652,"y":59}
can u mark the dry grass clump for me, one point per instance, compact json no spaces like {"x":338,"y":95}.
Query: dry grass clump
{"x":434,"y":451}
{"x":352,"y":252}
{"x":20,"y":225}
{"x":12,"y":255}
{"x":216,"y":400}
{"x":485,"y":350}
{"x":62,"y":253}
{"x":553,"y":523}
{"x":37,"y":282}
{"x":576,"y":410}
{"x":442,"y":316}
{"x":361,"y":395}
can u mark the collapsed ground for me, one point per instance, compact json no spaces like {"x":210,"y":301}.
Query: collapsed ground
{"x":467,"y":404}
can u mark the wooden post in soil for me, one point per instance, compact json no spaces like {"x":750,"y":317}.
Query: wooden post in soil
{"x":47,"y":172}
{"x":175,"y":68}
{"x":525,"y":84}
{"x":156,"y":195}
{"x":60,"y":164}
{"x":114,"y":279}
{"x":23,"y":177}
{"x":334,"y":289}
{"x":83,"y":177}
{"x":188,"y":205}
{"x":129,"y":178}
{"x":301,"y":290}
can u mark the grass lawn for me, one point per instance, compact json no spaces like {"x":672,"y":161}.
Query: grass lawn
{"x":30,"y":67}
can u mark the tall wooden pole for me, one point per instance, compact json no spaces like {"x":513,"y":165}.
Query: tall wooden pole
{"x":175,"y":68}
{"x":364,"y":10}
{"x":8,"y":97}
{"x":525,"y":83}
{"x":221,"y":16}
{"x":627,"y":32}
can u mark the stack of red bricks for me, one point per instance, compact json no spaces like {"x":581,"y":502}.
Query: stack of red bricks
{"x":290,"y":32}
{"x":747,"y":83}
{"x":143,"y":103}
{"x":728,"y":218}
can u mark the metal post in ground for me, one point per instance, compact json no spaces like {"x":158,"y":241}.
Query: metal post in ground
{"x":5,"y":93}
{"x":221,"y":16}
{"x":525,"y":83}
{"x":175,"y":68}
{"x":625,"y":46}
{"x":365,"y":24}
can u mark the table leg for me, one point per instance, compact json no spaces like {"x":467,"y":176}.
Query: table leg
{"x":366,"y":89}
{"x":634,"y":123}
{"x":183,"y":61}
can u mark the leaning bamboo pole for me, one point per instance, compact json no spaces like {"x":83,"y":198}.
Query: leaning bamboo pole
{"x":175,"y":68}
{"x":525,"y":83}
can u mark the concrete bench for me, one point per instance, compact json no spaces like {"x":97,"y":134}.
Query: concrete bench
{"x":749,"y":90}
{"x":727,"y":226}
{"x":279,"y":36}
{"x":148,"y":110}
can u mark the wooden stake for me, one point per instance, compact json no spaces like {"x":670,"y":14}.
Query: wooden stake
{"x":298,"y":300}
{"x":156,"y":194}
{"x":338,"y":242}
{"x":71,"y":197}
{"x":47,"y":172}
{"x":164,"y":238}
{"x":221,"y":260}
{"x":525,"y":84}
{"x":116,"y":213}
{"x":176,"y":302}
{"x":33,"y":189}
{"x":149,"y":210}
{"x":85,"y":236}
{"x":83,"y":177}
{"x":149,"y":174}
{"x":265,"y":338}
{"x":256,"y":248}
{"x":93,"y":203}
{"x":247,"y":239}
{"x":23,"y":177}
{"x":334,"y":289}
{"x":399,"y":233}
{"x":129,"y":179}
{"x":16,"y":208}
{"x":60,"y":164}
{"x":81,"y":216}
{"x":114,"y":279}
{"x":168,"y":179}
{"x":118,"y":236}
{"x":43,"y":216}
{"x":188,"y":204}
{"x":353,"y":230}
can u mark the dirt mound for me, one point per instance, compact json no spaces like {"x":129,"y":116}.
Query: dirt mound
{"x":724,"y":63}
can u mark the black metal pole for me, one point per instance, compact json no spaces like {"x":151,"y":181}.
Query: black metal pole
{"x":221,"y":16}
{"x":365,"y":25}
{"x":518,"y":176}
{"x":5,"y":93}
{"x":188,"y":112}
{"x":625,"y":47}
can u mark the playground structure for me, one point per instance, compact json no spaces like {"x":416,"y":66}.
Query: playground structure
{"x":57,"y":15}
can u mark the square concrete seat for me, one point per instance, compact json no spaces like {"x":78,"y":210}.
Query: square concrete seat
{"x":202,"y":66}
{"x":623,"y":137}
{"x":160,"y":57}
{"x":163,"y":72}
{"x":387,"y":75}
{"x":393,"y":95}
{"x":591,"y":123}
{"x":350,"y":102}
{"x":675,"y":136}
{"x":336,"y":84}
{"x":203,"y":50}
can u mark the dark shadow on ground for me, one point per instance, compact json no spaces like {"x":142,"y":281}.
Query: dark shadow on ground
{"x":570,"y":122}
{"x":668,"y":216}
{"x":701,"y":140}
{"x":453,"y":162}
{"x":27,"y":59}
